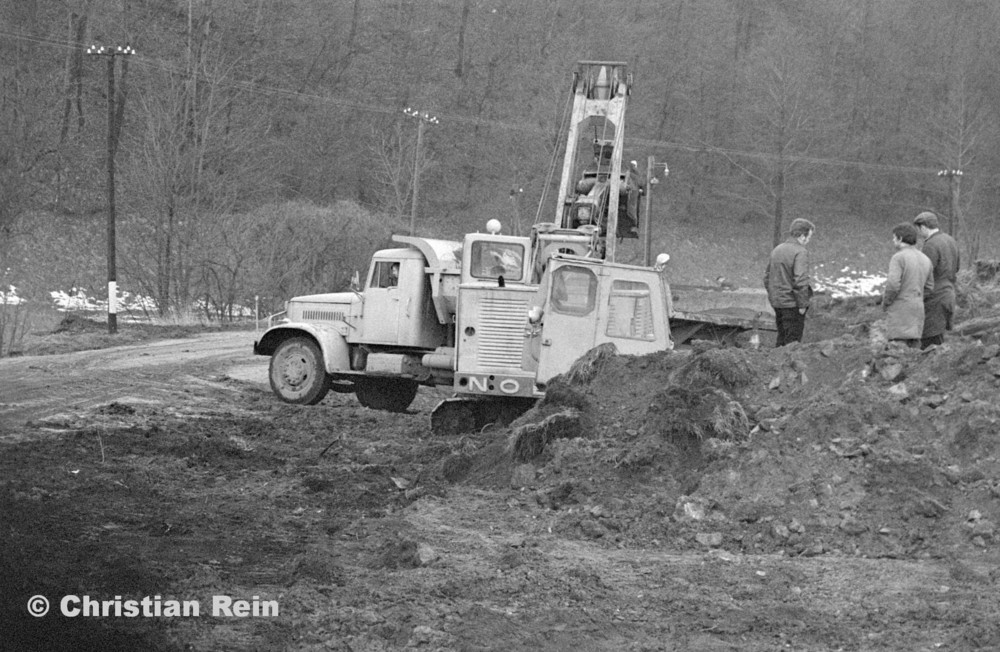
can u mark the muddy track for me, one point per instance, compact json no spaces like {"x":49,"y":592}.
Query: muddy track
{"x":38,"y":388}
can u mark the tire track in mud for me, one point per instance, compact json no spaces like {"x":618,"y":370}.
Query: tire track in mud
{"x":168,"y":372}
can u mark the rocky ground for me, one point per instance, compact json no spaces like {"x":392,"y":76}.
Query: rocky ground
{"x":840,"y":494}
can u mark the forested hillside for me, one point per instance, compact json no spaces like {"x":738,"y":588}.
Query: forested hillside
{"x":262,"y":147}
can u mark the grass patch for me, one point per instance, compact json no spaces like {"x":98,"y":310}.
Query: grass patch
{"x":701,"y":252}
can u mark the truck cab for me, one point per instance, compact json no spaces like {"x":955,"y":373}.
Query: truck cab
{"x":488,"y":259}
{"x":398,"y":308}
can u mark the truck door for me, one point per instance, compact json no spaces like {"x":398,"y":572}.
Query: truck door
{"x":569,"y":325}
{"x":629,"y":316}
{"x":382,"y":303}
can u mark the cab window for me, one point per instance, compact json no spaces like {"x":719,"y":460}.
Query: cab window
{"x":386,"y":274}
{"x":574,"y":290}
{"x":630,"y":311}
{"x":494,"y":259}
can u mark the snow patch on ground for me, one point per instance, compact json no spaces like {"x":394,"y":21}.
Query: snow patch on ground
{"x":847,"y":282}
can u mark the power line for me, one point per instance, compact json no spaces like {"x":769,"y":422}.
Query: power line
{"x":794,"y":158}
{"x":256,"y":88}
{"x":262,"y":89}
{"x":41,"y":40}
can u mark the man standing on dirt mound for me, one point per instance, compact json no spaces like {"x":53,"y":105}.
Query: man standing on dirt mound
{"x":789,"y":283}
{"x":939,"y":305}
{"x":909,"y":281}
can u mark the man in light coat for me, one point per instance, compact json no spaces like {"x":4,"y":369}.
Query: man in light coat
{"x":910,"y":278}
{"x":939,"y":304}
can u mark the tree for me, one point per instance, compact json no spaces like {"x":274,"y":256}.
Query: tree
{"x":954,"y":124}
{"x":195,"y":161}
{"x":296,"y":248}
{"x":393,"y":153}
{"x":27,"y":151}
{"x":785,"y":114}
{"x":949,"y":134}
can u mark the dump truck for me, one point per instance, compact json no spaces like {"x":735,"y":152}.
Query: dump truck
{"x":495,"y":317}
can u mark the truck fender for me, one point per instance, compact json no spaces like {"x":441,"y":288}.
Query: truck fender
{"x":332,"y":343}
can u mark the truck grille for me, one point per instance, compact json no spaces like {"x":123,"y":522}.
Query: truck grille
{"x":501,"y":331}
{"x":322,"y":315}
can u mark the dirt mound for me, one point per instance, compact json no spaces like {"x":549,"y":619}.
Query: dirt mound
{"x":845,"y":446}
{"x":77,"y":323}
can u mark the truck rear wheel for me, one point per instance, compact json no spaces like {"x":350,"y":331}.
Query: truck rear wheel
{"x":297,"y":372}
{"x":389,"y":394}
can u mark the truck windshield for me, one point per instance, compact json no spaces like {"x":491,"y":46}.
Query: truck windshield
{"x":494,"y":259}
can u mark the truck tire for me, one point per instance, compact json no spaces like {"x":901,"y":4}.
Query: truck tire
{"x":342,"y":386}
{"x":297,"y":373}
{"x":389,"y":394}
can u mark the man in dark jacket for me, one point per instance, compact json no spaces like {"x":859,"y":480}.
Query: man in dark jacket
{"x":939,"y":305}
{"x":789,"y":283}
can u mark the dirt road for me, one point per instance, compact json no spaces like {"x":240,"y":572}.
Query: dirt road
{"x":169,"y":472}
{"x":40,"y":388}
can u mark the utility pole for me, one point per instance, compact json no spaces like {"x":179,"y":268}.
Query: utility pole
{"x":422,"y":119}
{"x":111,"y":54}
{"x":646,"y":226}
{"x":954,"y":178}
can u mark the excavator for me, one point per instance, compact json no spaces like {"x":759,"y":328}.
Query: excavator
{"x":496,"y":317}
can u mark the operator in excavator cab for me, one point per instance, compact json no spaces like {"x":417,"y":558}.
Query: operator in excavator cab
{"x":595,"y":185}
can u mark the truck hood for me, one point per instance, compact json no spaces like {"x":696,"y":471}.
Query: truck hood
{"x":328,"y":297}
{"x":332,"y":306}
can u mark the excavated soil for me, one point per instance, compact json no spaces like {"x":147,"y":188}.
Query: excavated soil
{"x":840,"y":494}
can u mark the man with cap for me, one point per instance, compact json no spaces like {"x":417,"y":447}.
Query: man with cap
{"x":789,"y":283}
{"x":939,"y":304}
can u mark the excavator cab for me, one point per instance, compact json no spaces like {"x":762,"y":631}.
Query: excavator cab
{"x":547,"y":239}
{"x":584,"y":302}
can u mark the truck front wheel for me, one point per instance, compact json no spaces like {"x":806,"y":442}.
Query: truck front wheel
{"x":297,"y":372}
{"x":390,"y":394}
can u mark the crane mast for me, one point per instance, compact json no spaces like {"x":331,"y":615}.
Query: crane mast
{"x":591,"y":193}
